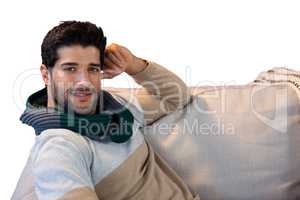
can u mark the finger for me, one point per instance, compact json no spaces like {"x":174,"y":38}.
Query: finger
{"x":107,"y":76}
{"x":109,"y":64}
{"x":113,"y":58}
{"x":113,"y":52}
{"x":110,"y":73}
{"x":107,"y":73}
{"x":115,"y":49}
{"x":125,"y":53}
{"x":115,"y":71}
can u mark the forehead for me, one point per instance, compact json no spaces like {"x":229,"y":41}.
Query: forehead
{"x":79,"y":54}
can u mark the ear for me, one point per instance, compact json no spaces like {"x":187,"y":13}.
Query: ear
{"x":45,"y":74}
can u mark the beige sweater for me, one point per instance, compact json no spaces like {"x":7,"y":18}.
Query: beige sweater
{"x":64,"y":165}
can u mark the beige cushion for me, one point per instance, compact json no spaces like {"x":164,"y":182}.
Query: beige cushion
{"x":237,"y":142}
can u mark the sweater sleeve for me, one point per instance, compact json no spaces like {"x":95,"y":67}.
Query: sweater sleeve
{"x":165,"y":92}
{"x":61,"y":167}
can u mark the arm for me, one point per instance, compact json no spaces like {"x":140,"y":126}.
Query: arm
{"x":61,"y":167}
{"x":165,"y":92}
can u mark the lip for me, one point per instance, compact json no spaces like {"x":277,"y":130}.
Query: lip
{"x":82,"y":96}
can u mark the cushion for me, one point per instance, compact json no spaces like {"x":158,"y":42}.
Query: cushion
{"x":236,"y":142}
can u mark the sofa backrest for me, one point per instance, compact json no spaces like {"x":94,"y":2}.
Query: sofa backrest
{"x":237,"y":142}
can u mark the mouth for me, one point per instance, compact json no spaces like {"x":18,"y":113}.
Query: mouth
{"x":82,"y":96}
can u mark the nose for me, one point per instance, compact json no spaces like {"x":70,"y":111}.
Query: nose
{"x":83,"y":76}
{"x":83,"y":79}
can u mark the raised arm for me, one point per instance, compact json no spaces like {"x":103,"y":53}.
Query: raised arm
{"x":165,"y":92}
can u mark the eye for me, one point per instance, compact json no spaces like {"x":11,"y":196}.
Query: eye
{"x":94,"y":69}
{"x":70,"y":69}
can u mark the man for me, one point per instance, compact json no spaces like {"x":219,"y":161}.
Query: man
{"x":89,"y":143}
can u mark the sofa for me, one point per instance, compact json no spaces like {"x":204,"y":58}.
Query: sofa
{"x":233,"y":142}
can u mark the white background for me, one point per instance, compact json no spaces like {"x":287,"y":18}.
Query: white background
{"x":204,"y":42}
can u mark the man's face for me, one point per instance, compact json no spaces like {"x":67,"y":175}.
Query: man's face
{"x":75,"y":79}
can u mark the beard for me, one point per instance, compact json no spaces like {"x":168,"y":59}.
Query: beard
{"x":68,"y":100}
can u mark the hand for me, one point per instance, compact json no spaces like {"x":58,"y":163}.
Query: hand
{"x":119,"y":59}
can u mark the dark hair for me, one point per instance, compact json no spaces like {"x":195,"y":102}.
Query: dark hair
{"x":69,"y":33}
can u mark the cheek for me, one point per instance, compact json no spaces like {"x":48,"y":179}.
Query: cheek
{"x":96,"y":83}
{"x":62,"y":81}
{"x":61,"y":91}
{"x":62,"y":88}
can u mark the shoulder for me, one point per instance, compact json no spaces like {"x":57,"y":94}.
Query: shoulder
{"x":61,"y":144}
{"x":61,"y":162}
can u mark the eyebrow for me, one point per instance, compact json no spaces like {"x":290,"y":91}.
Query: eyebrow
{"x":95,"y":64}
{"x":76,"y":64}
{"x":69,"y":64}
